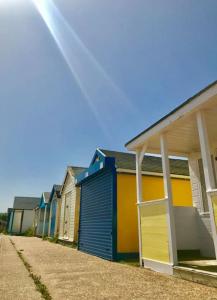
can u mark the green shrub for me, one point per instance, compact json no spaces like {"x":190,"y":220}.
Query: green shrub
{"x":54,"y":239}
{"x":29,"y":232}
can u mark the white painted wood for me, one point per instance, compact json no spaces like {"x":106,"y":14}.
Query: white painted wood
{"x":141,"y":155}
{"x":139,"y":200}
{"x":28,"y":219}
{"x":208,"y":169}
{"x":205,"y":151}
{"x":168,"y":196}
{"x":158,"y":266}
{"x":195,"y":183}
{"x":120,"y":170}
{"x":68,"y":191}
{"x":150,"y":202}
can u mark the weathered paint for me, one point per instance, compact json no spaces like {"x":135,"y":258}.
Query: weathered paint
{"x":17,"y":221}
{"x":154,"y":228}
{"x":28,"y":217}
{"x":127,"y":241}
{"x":69,"y":211}
{"x":77,"y":213}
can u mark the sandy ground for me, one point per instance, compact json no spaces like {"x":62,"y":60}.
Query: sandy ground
{"x":70,"y":274}
{"x":15,"y":282}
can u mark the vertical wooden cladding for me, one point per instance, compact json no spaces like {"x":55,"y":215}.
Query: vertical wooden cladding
{"x":154,"y":231}
{"x":96,"y":230}
{"x":70,"y":201}
{"x":53,"y":209}
{"x":67,"y":216}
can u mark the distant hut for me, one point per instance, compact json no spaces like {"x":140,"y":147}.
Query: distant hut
{"x":42,"y":215}
{"x":55,"y":206}
{"x":21,"y":216}
{"x":70,"y":203}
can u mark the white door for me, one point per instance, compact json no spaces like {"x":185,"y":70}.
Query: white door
{"x":67,"y":216}
{"x":16,"y":228}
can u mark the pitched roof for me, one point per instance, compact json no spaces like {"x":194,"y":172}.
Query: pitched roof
{"x":56,"y":189}
{"x":26,"y":202}
{"x":46,"y":196}
{"x":172,"y":112}
{"x":76,"y":170}
{"x":152,"y":164}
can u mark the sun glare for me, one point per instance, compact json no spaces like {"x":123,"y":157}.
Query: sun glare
{"x":98,"y":89}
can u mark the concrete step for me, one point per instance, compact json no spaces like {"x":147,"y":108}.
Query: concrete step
{"x":195,"y":275}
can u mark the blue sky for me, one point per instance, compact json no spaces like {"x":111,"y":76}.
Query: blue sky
{"x":115,"y":67}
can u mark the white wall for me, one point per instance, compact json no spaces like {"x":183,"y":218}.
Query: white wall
{"x":69,"y":187}
{"x":193,"y":231}
{"x":206,"y":240}
{"x":17,"y":221}
{"x":195,"y":183}
{"x":187,"y":231}
{"x":28,"y":218}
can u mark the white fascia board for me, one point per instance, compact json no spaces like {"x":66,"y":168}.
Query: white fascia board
{"x":127,"y":171}
{"x":190,"y":107}
{"x":103,"y":154}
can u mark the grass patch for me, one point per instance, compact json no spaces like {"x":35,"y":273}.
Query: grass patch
{"x":37,"y":279}
{"x":67,"y":244}
{"x":29,"y":232}
{"x":53,"y":239}
{"x":130,"y":262}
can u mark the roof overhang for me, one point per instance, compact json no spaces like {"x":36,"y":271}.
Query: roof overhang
{"x":180,"y":126}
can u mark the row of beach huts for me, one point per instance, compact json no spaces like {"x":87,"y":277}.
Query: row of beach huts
{"x":153,"y":207}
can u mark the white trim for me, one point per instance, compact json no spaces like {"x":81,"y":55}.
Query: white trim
{"x":65,"y":177}
{"x":205,"y":151}
{"x":208,"y":170}
{"x":142,"y":153}
{"x":149,"y":202}
{"x":139,"y":199}
{"x":169,"y":197}
{"x":172,"y":153}
{"x":158,"y":266}
{"x":187,"y":109}
{"x":120,"y":170}
{"x":103,"y":154}
{"x":212,"y":192}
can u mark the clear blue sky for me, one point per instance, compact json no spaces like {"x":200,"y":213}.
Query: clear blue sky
{"x":122,"y":65}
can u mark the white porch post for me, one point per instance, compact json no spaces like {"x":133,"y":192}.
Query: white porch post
{"x":139,"y":159}
{"x":168,"y":196}
{"x":208,"y":169}
{"x":205,"y":151}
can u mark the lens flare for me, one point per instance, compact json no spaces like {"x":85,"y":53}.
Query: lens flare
{"x":101,"y":93}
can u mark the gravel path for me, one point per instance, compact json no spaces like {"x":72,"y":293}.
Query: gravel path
{"x":15,"y":283}
{"x":70,"y":274}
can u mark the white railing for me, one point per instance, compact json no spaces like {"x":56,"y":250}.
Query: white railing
{"x":149,"y":202}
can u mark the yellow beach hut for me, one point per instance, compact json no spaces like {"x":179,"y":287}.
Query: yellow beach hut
{"x":108,"y":224}
{"x":189,"y":131}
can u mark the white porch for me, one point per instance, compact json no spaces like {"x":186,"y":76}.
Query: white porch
{"x":190,"y":131}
